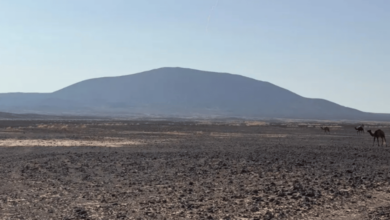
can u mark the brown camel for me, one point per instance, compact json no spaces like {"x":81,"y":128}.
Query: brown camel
{"x":326,"y":129}
{"x":359,"y":129}
{"x":378,"y":134}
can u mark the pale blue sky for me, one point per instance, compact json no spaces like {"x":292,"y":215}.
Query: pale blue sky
{"x":333,"y":49}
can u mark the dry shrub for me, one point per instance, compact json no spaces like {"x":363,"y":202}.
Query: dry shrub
{"x":43,"y":126}
{"x":53,"y":126}
{"x":204,"y":123}
{"x":63,"y":127}
{"x":256,"y":123}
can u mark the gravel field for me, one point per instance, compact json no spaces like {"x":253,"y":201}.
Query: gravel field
{"x":191,"y":170}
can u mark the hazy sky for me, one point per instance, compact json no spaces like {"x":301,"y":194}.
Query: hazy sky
{"x":333,"y":49}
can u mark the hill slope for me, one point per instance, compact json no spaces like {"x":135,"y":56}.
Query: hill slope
{"x":180,"y":92}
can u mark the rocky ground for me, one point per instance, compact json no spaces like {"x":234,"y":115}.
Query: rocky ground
{"x":190,"y":170}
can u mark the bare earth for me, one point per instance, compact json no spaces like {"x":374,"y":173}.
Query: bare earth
{"x":191,"y":170}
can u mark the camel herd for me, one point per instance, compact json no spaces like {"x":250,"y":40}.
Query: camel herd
{"x":377,"y":134}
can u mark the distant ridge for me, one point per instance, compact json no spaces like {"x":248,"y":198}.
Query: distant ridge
{"x":12,"y":116}
{"x":180,"y":92}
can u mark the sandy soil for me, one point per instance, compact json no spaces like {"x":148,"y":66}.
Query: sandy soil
{"x":190,"y":170}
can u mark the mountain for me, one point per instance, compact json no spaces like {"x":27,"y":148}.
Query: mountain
{"x":180,"y":92}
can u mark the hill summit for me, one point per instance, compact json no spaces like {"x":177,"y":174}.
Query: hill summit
{"x":180,"y":92}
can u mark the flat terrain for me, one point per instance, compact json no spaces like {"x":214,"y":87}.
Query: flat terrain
{"x":191,"y":170}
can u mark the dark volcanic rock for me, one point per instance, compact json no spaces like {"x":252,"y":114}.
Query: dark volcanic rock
{"x":212,"y":171}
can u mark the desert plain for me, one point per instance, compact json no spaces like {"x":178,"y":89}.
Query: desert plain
{"x":170,"y":169}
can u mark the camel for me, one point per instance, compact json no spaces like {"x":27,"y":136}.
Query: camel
{"x":359,"y":129}
{"x":378,"y":134}
{"x":326,"y":129}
